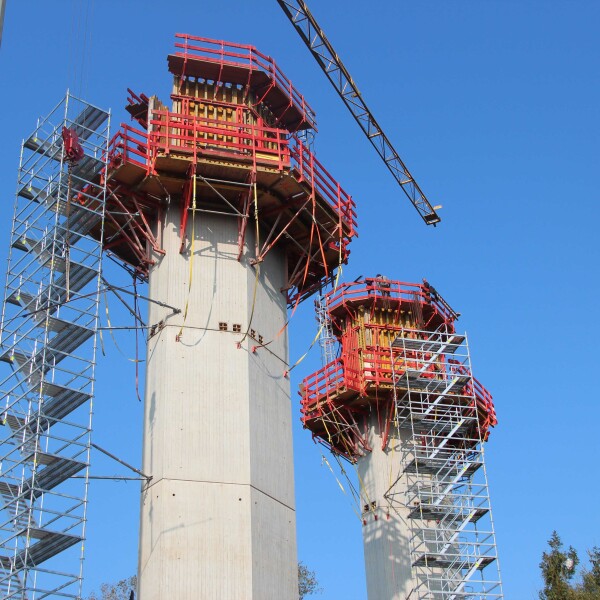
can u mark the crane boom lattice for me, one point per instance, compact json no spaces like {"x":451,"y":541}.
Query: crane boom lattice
{"x":320,"y":47}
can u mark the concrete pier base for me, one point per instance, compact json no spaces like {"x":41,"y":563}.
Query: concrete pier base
{"x":386,"y":534}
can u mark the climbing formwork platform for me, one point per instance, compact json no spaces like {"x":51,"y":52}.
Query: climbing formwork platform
{"x":48,"y":347}
{"x":233,"y":134}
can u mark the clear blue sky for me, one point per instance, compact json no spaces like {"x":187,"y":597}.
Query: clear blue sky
{"x":494,"y":107}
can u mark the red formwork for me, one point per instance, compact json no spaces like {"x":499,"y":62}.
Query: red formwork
{"x":379,"y":290}
{"x":381,"y":353}
{"x":199,"y":137}
{"x":302,"y":208}
{"x":244,"y":65}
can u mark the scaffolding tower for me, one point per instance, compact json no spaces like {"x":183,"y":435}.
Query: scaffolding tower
{"x":48,"y":341}
{"x":443,"y":415}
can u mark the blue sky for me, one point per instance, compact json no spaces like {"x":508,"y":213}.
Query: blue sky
{"x":493,"y":105}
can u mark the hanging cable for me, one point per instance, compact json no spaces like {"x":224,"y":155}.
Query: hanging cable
{"x":110,"y":331}
{"x":137,"y":356}
{"x":353,"y":504}
{"x":256,"y":266}
{"x":192,"y":246}
{"x":335,"y":286}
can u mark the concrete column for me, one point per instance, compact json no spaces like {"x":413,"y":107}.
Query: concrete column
{"x":387,"y":537}
{"x":218,"y":517}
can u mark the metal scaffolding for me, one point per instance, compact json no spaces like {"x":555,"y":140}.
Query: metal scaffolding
{"x":441,"y":414}
{"x":49,"y":322}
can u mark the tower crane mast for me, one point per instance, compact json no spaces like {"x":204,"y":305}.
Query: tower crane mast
{"x":305,"y":24}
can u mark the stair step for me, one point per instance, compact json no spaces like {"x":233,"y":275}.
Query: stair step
{"x":69,"y":338}
{"x":22,"y":432}
{"x":79,"y":276}
{"x":12,"y":586}
{"x":64,"y":400}
{"x":84,"y":125}
{"x":435,"y":465}
{"x":437,"y":560}
{"x":9,"y":491}
{"x":58,"y":348}
{"x":56,"y":470}
{"x":50,"y":544}
{"x":446,"y":343}
{"x":436,"y":513}
{"x":87,"y":169}
{"x":88,"y":121}
{"x":50,"y":149}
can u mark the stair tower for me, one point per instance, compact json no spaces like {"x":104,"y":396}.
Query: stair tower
{"x":48,"y":348}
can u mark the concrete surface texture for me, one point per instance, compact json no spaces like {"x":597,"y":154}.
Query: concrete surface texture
{"x":386,"y":534}
{"x":218,"y":516}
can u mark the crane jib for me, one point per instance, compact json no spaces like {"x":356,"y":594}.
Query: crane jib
{"x":305,"y":24}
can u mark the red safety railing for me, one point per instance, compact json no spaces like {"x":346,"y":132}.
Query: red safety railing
{"x":367,"y":366}
{"x":320,"y":385}
{"x":221,"y":53}
{"x":483,"y":399}
{"x":258,"y":145}
{"x":200,"y":136}
{"x":486,"y":409}
{"x":385,"y":289}
{"x":309,"y":169}
{"x":129,"y":146}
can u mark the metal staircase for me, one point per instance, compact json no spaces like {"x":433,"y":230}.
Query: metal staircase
{"x":48,"y":347}
{"x":439,"y":408}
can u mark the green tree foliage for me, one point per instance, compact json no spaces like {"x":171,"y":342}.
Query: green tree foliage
{"x":589,"y":588}
{"x":558,"y":568}
{"x":558,"y":571}
{"x":115,"y":591}
{"x":307,"y":586}
{"x":307,"y":582}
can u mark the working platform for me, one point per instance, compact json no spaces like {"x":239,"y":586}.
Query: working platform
{"x":244,"y":66}
{"x":228,"y":146}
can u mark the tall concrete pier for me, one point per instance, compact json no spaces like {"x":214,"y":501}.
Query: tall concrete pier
{"x":218,"y":515}
{"x":221,"y":206}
